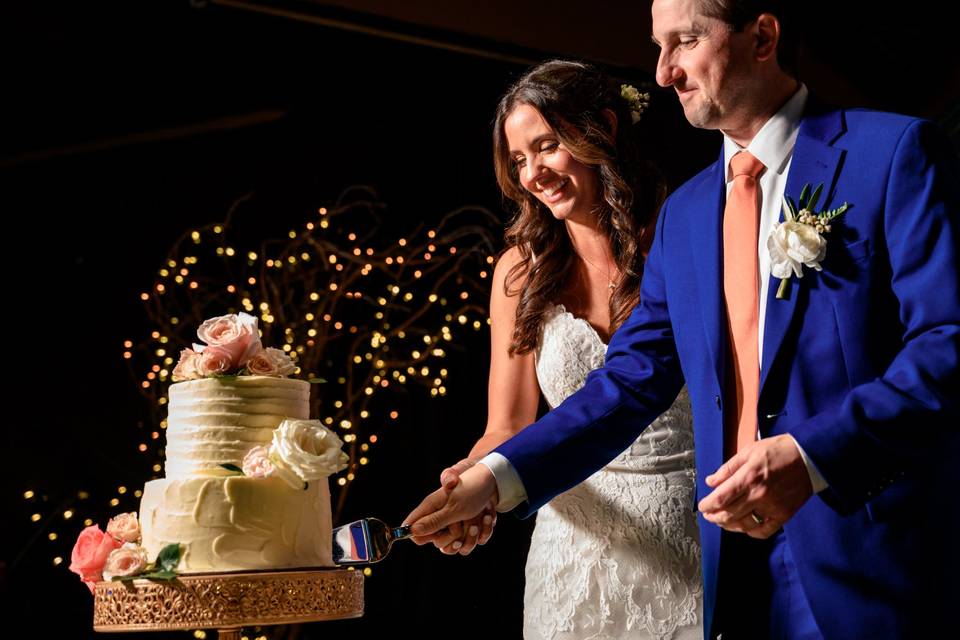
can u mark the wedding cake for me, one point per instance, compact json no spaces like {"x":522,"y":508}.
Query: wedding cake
{"x":246,"y":474}
{"x":224,"y":521}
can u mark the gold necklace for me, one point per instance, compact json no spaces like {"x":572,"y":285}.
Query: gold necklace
{"x":610,"y":282}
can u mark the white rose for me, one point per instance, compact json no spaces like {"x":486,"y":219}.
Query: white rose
{"x":792,"y":244}
{"x":305,"y":450}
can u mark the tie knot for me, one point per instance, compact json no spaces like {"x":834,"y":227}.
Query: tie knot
{"x":745,"y":164}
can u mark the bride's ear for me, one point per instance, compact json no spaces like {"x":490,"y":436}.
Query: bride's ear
{"x":611,"y":119}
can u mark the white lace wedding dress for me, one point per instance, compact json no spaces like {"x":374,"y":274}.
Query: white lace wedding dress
{"x":617,"y":556}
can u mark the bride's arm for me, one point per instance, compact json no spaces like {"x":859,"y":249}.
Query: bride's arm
{"x":512,"y":396}
{"x":512,"y":392}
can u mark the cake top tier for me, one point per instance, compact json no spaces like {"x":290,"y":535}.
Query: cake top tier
{"x":216,"y":421}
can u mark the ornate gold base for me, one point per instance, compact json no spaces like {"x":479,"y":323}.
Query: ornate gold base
{"x":228,"y":601}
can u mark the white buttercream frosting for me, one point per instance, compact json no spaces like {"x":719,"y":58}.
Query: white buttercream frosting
{"x":224,"y":521}
{"x":216,"y":421}
{"x":237,"y":523}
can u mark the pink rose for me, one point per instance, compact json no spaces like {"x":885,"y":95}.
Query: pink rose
{"x":271,"y":362}
{"x":128,"y":560}
{"x":236,"y":334}
{"x":124,"y":527}
{"x":187,"y":368}
{"x":256,"y":463}
{"x":90,"y":554}
{"x":215,"y":361}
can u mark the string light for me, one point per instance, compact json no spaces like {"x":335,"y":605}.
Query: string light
{"x":385,"y":295}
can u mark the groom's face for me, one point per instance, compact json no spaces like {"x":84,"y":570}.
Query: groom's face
{"x":706,"y":63}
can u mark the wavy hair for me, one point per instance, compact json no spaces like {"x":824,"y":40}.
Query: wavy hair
{"x":571,"y":97}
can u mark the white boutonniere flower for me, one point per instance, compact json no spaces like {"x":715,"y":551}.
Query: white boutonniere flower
{"x":799,"y":240}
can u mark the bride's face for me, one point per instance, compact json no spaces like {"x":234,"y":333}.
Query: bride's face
{"x":546,"y":169}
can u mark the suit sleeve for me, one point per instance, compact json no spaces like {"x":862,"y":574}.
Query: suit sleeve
{"x":908,"y":416}
{"x":640,"y":380}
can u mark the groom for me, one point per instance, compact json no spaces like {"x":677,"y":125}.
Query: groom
{"x":825,"y":410}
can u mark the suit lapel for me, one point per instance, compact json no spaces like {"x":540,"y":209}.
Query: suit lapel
{"x":706,"y":243}
{"x":814,"y":162}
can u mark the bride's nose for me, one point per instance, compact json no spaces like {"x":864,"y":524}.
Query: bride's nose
{"x":532,"y":171}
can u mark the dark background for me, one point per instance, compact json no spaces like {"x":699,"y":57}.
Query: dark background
{"x":125,"y":124}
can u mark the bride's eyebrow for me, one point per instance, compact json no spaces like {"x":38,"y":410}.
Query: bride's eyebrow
{"x":536,"y":141}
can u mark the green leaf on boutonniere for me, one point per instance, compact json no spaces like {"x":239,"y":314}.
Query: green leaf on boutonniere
{"x":811,"y":205}
{"x":232,"y":467}
{"x":804,"y":193}
{"x":168,"y":559}
{"x":316,"y":381}
{"x":793,"y":207}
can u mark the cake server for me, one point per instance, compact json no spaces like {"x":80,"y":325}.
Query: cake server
{"x":365,"y":541}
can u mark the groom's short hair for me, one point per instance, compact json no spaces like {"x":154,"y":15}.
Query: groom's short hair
{"x":740,"y":13}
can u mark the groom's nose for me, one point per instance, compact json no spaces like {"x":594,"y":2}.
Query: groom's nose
{"x":667,"y":71}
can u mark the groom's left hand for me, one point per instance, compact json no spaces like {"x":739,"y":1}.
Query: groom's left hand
{"x":765,"y":481}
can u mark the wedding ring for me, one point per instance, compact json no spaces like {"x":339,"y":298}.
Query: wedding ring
{"x":756,"y":517}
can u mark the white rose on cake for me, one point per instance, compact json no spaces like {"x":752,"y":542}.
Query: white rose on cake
{"x":305,"y":450}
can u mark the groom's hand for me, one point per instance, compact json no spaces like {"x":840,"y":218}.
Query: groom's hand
{"x":766,"y":482}
{"x":475,"y":490}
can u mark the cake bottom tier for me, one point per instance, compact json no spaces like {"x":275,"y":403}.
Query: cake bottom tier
{"x":237,"y":523}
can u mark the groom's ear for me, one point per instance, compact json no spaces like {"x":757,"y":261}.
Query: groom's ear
{"x":767,"y":36}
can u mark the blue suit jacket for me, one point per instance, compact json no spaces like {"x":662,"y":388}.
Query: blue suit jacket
{"x":860,"y":365}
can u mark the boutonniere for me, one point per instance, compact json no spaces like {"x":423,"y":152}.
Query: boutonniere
{"x":799,"y":239}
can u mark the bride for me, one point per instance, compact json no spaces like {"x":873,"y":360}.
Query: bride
{"x":618,"y":555}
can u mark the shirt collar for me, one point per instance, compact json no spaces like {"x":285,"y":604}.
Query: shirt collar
{"x":774,"y":143}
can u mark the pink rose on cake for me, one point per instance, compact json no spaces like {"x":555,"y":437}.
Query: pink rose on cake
{"x":271,"y":362}
{"x":213,"y":361}
{"x":189,"y":366}
{"x":256,"y":464}
{"x":232,"y":348}
{"x":305,"y":450}
{"x":128,"y":560}
{"x":90,"y":553}
{"x":236,"y":334}
{"x":124,"y":527}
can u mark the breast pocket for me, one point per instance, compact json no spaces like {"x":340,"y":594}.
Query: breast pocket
{"x":857,"y":251}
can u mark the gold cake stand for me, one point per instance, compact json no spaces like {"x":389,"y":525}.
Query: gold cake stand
{"x":228,"y":601}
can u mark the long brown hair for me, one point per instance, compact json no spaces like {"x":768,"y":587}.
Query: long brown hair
{"x":571,"y":97}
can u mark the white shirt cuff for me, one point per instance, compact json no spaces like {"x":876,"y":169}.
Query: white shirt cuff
{"x":816,"y":479}
{"x":509,"y":486}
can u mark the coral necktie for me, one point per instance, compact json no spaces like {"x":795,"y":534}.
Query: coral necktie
{"x":741,"y":230}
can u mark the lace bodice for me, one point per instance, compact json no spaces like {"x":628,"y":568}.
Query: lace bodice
{"x":617,"y":555}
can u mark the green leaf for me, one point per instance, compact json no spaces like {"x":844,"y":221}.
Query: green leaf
{"x":833,"y":213}
{"x":804,"y":194}
{"x":812,"y":205}
{"x":160,"y":575}
{"x":317,"y":381}
{"x":168,"y":558}
{"x":227,"y":377}
{"x":793,"y":206}
{"x":232,"y":467}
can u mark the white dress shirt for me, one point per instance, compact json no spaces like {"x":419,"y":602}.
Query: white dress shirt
{"x":773,"y":146}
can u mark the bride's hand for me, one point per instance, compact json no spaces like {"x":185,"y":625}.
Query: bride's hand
{"x":475,"y":531}
{"x":450,"y":477}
